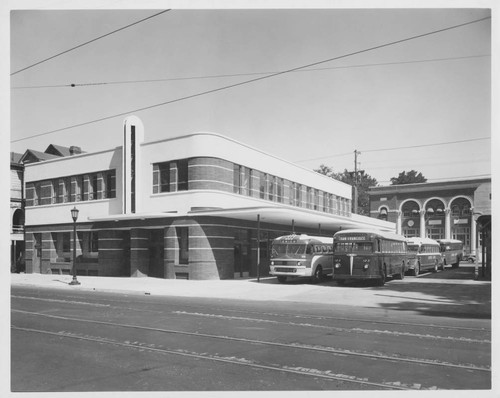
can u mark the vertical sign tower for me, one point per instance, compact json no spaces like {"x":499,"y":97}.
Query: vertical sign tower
{"x":133,"y":137}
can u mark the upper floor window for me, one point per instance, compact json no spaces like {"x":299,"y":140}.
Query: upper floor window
{"x":99,"y":185}
{"x":171,"y":176}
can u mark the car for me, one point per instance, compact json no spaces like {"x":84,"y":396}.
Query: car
{"x":471,"y":258}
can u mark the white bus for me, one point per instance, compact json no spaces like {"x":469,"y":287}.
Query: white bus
{"x":424,"y":254}
{"x":294,"y":256}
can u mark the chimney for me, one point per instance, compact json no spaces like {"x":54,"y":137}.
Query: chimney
{"x":75,"y":150}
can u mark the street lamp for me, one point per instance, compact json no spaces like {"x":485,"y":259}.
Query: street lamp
{"x":74,"y":215}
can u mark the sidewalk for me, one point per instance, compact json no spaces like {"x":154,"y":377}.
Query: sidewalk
{"x":450,"y":290}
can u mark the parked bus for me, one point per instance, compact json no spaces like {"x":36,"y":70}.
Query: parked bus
{"x":368,"y":254}
{"x":295,"y":256}
{"x":424,"y":254}
{"x":452,"y":251}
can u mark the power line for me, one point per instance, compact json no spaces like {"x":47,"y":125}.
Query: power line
{"x":245,"y":74}
{"x":394,"y":148}
{"x":425,"y":145}
{"x":88,"y":42}
{"x":257,"y":79}
{"x":453,"y":178}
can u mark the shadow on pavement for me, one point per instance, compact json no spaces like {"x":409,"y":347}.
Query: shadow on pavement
{"x":434,"y":294}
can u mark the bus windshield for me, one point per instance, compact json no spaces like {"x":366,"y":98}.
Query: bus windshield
{"x":288,"y":250}
{"x":413,"y":248}
{"x":353,"y":247}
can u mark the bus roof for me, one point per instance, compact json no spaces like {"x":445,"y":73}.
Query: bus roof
{"x":449,"y":241}
{"x":422,"y":241}
{"x":303,"y":238}
{"x":375,"y":232}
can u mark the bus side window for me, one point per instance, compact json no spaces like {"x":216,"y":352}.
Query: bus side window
{"x":309,"y":249}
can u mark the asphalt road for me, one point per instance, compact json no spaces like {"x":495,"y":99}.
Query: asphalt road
{"x":108,"y":341}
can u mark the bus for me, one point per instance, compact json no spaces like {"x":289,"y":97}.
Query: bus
{"x":424,"y":254}
{"x":294,"y":256}
{"x":452,"y":251}
{"x":360,"y":254}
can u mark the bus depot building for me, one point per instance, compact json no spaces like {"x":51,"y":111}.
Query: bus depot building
{"x":443,"y":210}
{"x":198,"y":206}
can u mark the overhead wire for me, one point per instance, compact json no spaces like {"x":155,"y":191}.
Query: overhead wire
{"x":452,"y":178}
{"x":259,"y":78}
{"x":88,"y":42}
{"x":244,"y":74}
{"x":394,"y":148}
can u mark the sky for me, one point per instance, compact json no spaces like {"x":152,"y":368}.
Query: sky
{"x":405,"y":96}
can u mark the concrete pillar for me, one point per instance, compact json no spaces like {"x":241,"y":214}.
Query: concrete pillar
{"x":473,"y":235}
{"x":422,"y":223}
{"x":399,"y":228}
{"x":447,"y":223}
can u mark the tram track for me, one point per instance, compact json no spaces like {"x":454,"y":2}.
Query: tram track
{"x":271,"y":314}
{"x":293,"y":345}
{"x":231,"y":360}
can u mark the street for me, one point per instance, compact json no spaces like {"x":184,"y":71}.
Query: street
{"x":108,"y":341}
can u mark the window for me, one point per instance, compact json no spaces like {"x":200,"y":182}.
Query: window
{"x":263,"y":185}
{"x":62,"y":246}
{"x":298,"y":195}
{"x":242,"y":180}
{"x":37,"y":191}
{"x":164,"y":176}
{"x":279,"y":190}
{"x":56,"y":194}
{"x":164,"y":170}
{"x":92,"y":242}
{"x":182,"y":175}
{"x":110,"y":184}
{"x":183,"y":241}
{"x":309,"y":198}
{"x":93,"y":189}
{"x":270,"y":186}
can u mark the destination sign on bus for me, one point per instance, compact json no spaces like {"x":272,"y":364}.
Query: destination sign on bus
{"x":352,"y":237}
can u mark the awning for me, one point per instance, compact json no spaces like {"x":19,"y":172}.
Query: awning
{"x":304,"y":218}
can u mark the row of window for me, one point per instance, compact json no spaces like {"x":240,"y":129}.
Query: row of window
{"x":91,"y":186}
{"x":456,"y":210}
{"x":88,"y":244}
{"x":277,"y":189}
{"x":173,"y":176}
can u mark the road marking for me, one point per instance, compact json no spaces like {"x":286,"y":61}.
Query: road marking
{"x":331,"y":350}
{"x":62,"y":301}
{"x":328,"y":374}
{"x":359,"y":330}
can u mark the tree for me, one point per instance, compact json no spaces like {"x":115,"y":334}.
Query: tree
{"x":365,"y":181}
{"x":410,"y":177}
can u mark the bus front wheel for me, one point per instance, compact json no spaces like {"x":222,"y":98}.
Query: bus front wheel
{"x":383,"y":277}
{"x":416,"y":269}
{"x":281,"y":279}
{"x":318,"y":275}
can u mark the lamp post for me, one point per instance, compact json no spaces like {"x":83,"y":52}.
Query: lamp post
{"x":74,"y":215}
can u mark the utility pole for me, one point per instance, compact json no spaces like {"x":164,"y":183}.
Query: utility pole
{"x":355,"y":204}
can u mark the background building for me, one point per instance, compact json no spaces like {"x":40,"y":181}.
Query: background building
{"x":435,"y":210}
{"x":16,"y":213}
{"x":198,"y":206}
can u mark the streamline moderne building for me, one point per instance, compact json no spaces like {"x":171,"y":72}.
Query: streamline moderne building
{"x":199,"y":206}
{"x":444,"y":210}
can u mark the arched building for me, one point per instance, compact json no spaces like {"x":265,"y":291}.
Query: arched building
{"x":441,"y":210}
